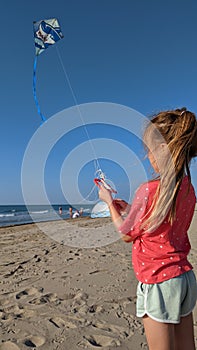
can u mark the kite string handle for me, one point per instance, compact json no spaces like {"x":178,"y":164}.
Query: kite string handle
{"x":100,"y":182}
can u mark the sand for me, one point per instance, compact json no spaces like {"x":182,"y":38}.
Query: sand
{"x":55,"y":295}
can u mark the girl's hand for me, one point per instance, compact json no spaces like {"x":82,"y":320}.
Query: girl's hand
{"x":105,"y":195}
{"x":121,"y":206}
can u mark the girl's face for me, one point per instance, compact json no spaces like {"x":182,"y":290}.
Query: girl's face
{"x":157,"y":155}
{"x":158,"y":151}
{"x":153,"y":161}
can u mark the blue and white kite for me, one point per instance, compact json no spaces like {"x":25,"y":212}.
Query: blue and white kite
{"x":46,"y":33}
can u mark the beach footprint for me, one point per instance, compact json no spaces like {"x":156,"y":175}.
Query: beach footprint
{"x":34,"y":341}
{"x":61,"y":323}
{"x":10,"y":312}
{"x":46,"y":298}
{"x":8,"y":345}
{"x":116,"y":330}
{"x":99,"y":341}
{"x":28,"y":292}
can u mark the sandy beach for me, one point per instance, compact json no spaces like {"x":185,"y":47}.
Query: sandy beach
{"x":57,"y":294}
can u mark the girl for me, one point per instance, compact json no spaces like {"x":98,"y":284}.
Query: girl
{"x":157,"y":224}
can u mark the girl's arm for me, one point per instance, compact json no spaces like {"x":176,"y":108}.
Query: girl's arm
{"x":130,"y":227}
{"x":105,"y":195}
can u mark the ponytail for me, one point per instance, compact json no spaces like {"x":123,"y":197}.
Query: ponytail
{"x":178,"y":129}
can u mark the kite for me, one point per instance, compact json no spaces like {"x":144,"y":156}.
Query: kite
{"x":46,"y":33}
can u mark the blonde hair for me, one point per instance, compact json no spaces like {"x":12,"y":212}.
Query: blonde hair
{"x":178,"y":129}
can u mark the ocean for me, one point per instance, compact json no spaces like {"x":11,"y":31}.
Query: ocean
{"x":20,"y":214}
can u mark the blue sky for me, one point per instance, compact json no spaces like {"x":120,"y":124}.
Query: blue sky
{"x":137,"y":53}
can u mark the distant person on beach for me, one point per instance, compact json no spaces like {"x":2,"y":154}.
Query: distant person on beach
{"x":76,"y":214}
{"x":157,"y":223}
{"x":71,"y":212}
{"x":81,"y":212}
{"x":60,"y":210}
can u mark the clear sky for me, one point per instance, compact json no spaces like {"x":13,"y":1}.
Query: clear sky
{"x":136,"y":53}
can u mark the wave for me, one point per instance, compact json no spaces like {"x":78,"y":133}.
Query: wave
{"x":88,"y":210}
{"x":6,"y":215}
{"x":39,"y":212}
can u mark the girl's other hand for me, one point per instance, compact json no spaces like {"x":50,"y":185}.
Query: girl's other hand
{"x":121,"y":206}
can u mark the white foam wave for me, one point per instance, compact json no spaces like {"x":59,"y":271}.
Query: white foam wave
{"x":39,"y":212}
{"x":5,"y":215}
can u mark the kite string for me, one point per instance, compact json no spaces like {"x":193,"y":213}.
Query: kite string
{"x":96,"y":161}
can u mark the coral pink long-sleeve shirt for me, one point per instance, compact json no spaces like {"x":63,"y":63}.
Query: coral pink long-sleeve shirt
{"x":162,"y":254}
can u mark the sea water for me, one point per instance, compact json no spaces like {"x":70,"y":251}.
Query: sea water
{"x":20,"y":214}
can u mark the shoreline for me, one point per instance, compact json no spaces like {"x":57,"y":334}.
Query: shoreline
{"x":84,"y":217}
{"x":68,"y":220}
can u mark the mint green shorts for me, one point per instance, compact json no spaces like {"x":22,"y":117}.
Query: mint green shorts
{"x":167,"y":301}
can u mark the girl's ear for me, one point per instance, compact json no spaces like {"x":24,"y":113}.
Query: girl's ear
{"x":164,"y":147}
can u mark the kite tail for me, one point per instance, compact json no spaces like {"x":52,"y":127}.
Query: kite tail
{"x":34,"y":91}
